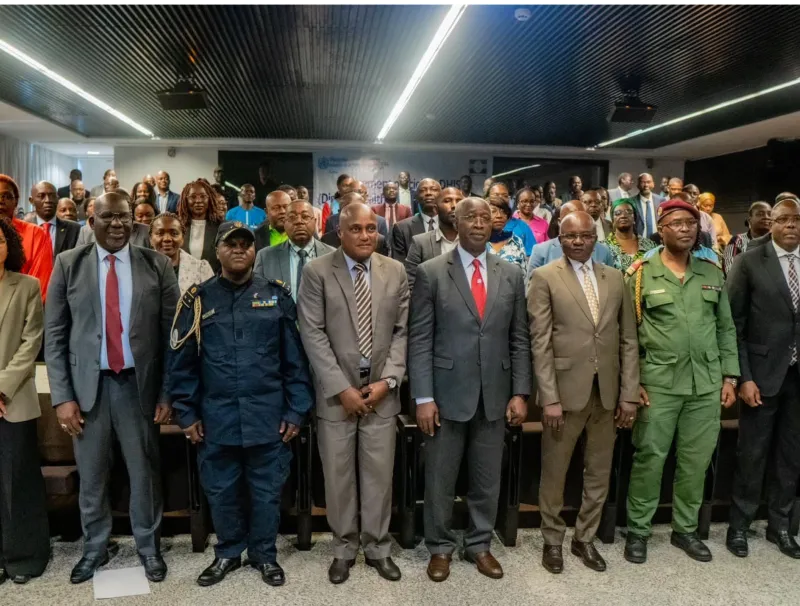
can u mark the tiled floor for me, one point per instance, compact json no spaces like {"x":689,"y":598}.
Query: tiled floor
{"x":669,"y":577}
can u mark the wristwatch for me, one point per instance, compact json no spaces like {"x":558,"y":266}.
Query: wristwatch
{"x":731,"y":381}
{"x":391,"y":382}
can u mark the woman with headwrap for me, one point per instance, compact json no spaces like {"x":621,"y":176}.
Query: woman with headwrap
{"x":706,"y":202}
{"x":626,"y":247}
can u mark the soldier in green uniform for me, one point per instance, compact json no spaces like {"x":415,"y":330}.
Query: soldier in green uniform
{"x":688,"y":363}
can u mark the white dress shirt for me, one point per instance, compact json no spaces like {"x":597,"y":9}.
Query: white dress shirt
{"x":469,"y":269}
{"x":445,"y":244}
{"x":598,"y":227}
{"x":162,"y":201}
{"x":52,"y":223}
{"x":125,"y":280}
{"x":404,"y":197}
{"x":197,"y":234}
{"x":783,"y":259}
{"x":648,"y":207}
{"x":578,"y":267}
{"x":426,"y":219}
{"x":294,"y":262}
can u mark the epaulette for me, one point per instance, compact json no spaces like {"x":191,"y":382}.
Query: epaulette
{"x":716,"y":264}
{"x":191,"y":301}
{"x":634,"y":267}
{"x":287,"y":290}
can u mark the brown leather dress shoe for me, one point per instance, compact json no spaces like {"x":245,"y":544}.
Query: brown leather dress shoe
{"x":588,"y":555}
{"x":439,"y":567}
{"x":486,"y":564}
{"x":552,"y":559}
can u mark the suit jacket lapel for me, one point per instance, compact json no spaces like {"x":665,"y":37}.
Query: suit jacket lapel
{"x":7,"y":288}
{"x":136,"y":278}
{"x":378,"y":289}
{"x":285,"y":263}
{"x":573,"y":285}
{"x":93,"y":286}
{"x":208,"y":240}
{"x":346,"y":283}
{"x":61,"y":232}
{"x":493,"y":275}
{"x":776,"y":271}
{"x":602,"y":288}
{"x":459,"y":276}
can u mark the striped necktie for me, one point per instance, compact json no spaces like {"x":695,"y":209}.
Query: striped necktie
{"x":364,"y":311}
{"x":794,"y":290}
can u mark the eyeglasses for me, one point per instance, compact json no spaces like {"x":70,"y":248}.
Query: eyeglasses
{"x":686,"y":224}
{"x":108,"y":217}
{"x":584,"y":236}
{"x":787,"y":219}
{"x":623,"y":212}
{"x":305,"y":217}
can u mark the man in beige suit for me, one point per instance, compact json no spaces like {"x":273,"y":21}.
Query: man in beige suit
{"x":353,"y":311}
{"x":586,"y":360}
{"x":24,"y":532}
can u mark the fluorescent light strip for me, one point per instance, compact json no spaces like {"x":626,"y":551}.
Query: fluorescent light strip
{"x":451,"y":19}
{"x":714,"y":108}
{"x":238,"y":189}
{"x":516,"y":170}
{"x":92,"y":153}
{"x":29,"y":61}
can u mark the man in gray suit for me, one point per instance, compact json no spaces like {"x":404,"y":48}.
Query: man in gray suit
{"x":287,"y":261}
{"x":107,"y":331}
{"x":470,"y":370}
{"x":353,"y":310}
{"x":624,"y":189}
{"x":441,"y":240}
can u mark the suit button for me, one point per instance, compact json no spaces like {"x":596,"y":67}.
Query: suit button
{"x":479,"y":361}
{"x":597,"y":335}
{"x":100,"y":336}
{"x":591,"y":359}
{"x":481,"y":334}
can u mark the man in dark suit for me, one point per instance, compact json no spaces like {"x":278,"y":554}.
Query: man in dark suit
{"x":427,"y":220}
{"x":439,"y":241}
{"x":764,"y":293}
{"x":74,"y":175}
{"x":594,"y":206}
{"x":470,"y":370}
{"x":647,"y":204}
{"x":333,"y":238}
{"x":166,"y":200}
{"x":286,"y":261}
{"x":108,"y":321}
{"x":62,"y":235}
{"x":273,"y":231}
{"x":390,"y":209}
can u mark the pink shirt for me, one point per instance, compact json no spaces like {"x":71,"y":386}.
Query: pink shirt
{"x":538,"y":226}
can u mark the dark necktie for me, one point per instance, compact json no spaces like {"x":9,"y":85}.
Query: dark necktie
{"x":363,"y":311}
{"x":478,"y":288}
{"x":303,"y":254}
{"x":430,"y":224}
{"x":794,"y":290}
{"x":116,"y":359}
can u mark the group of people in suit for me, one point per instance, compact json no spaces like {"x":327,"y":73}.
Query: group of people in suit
{"x":337,"y":329}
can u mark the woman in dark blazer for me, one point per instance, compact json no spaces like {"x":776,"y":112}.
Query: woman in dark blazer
{"x":201,"y":215}
{"x":24,"y":532}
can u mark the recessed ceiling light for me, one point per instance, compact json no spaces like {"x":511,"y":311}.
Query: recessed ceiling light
{"x":708,"y":110}
{"x":29,"y":61}
{"x":92,"y":153}
{"x":445,"y":29}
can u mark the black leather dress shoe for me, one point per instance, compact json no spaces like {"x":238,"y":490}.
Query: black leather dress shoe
{"x":736,"y":542}
{"x":339,"y":571}
{"x":385,"y":567}
{"x":21,"y":579}
{"x":271,"y":573}
{"x":3,"y":576}
{"x":636,"y":549}
{"x":588,"y":555}
{"x":785,"y":542}
{"x":155,"y":568}
{"x":553,"y":559}
{"x":218,"y":570}
{"x":692,"y":545}
{"x":85,"y":568}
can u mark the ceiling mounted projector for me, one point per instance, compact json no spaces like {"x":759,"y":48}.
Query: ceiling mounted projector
{"x":631,"y":108}
{"x":184,"y":95}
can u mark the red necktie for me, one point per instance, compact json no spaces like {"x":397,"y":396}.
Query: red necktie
{"x":46,"y":230}
{"x":478,"y":288}
{"x":116,"y":360}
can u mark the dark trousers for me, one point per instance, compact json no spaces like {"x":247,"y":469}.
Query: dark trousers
{"x":24,"y":532}
{"x":243,"y":486}
{"x":117,"y":414}
{"x":769,"y":440}
{"x":482,"y":442}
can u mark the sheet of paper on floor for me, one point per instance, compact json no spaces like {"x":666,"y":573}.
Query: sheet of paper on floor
{"x":120,"y":583}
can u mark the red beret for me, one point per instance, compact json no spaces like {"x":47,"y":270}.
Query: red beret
{"x":671,"y":206}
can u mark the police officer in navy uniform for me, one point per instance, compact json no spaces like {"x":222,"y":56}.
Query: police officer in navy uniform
{"x":241,"y":388}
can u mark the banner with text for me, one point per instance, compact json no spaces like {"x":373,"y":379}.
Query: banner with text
{"x":376,"y":169}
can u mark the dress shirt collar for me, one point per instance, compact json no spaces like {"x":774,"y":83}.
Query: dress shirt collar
{"x":310,"y":248}
{"x":440,"y":236}
{"x":123,"y":254}
{"x":351,"y":263}
{"x":40,"y":221}
{"x":783,"y":253}
{"x":644,"y":198}
{"x":426,"y":219}
{"x":578,"y":266}
{"x":467,"y":258}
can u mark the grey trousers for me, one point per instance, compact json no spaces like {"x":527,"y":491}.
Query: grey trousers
{"x":118,"y":414}
{"x":482,"y":441}
{"x":364,"y":446}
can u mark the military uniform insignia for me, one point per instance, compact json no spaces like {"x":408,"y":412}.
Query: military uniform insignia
{"x":282,"y":284}
{"x":711,"y":287}
{"x":262,"y":303}
{"x":191,"y":301}
{"x":659,"y":291}
{"x":208,"y":314}
{"x":634,"y":267}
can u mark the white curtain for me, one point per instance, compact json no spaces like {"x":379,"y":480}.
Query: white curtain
{"x":15,"y":158}
{"x":28,"y":163}
{"x":50,"y":166}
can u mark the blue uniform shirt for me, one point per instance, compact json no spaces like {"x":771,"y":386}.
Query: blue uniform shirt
{"x":250,"y":373}
{"x":252,"y":217}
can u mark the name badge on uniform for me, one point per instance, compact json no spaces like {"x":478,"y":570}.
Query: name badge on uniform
{"x":257,"y":304}
{"x":710,"y":287}
{"x":659,"y":291}
{"x":208,"y":314}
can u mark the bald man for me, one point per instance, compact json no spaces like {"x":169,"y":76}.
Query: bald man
{"x":352,"y":309}
{"x":551,"y":250}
